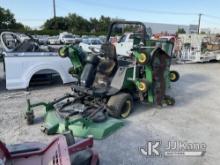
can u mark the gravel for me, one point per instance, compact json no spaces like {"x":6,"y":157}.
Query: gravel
{"x":194,"y":118}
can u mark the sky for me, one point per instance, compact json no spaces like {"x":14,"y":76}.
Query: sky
{"x":35,"y":12}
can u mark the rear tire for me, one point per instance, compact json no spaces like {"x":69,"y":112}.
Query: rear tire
{"x":120,"y":105}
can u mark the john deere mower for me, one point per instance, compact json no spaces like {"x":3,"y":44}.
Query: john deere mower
{"x":108,"y":85}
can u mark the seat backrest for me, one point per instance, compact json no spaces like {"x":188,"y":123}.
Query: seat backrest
{"x":107,"y":66}
{"x":109,"y":51}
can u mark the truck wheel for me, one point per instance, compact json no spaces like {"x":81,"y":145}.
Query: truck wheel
{"x":120,"y":105}
{"x":174,"y":76}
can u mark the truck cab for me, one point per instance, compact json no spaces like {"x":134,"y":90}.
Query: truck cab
{"x":125,"y":44}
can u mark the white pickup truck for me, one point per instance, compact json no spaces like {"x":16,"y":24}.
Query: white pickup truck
{"x":24,"y":59}
{"x":125,"y":44}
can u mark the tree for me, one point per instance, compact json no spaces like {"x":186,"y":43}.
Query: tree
{"x":58,"y":23}
{"x":94,"y":24}
{"x":104,"y":22}
{"x":78,"y":23}
{"x":181,"y":31}
{"x":7,"y":20}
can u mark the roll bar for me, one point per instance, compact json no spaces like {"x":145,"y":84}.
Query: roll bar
{"x":110,"y":29}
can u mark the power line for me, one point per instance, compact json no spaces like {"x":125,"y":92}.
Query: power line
{"x":133,"y":9}
{"x":211,"y":16}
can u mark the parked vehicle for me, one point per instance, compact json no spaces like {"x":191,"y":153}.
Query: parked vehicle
{"x":124,"y":44}
{"x":102,"y":38}
{"x":23,"y":37}
{"x":87,"y":44}
{"x":198,"y":48}
{"x":78,"y":39}
{"x":54,"y":40}
{"x":66,"y":38}
{"x":43,"y":39}
{"x":25,"y":59}
{"x":168,"y":38}
{"x":84,"y":37}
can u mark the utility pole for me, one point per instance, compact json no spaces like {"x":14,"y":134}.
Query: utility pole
{"x":200,"y":15}
{"x":54,"y":9}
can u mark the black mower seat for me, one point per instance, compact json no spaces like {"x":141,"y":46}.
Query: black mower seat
{"x":109,"y":64}
{"x":106,"y":67}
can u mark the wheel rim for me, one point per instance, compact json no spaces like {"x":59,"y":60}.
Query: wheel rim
{"x":126,"y":109}
{"x":143,"y":58}
{"x":172,"y":76}
{"x":142,"y":86}
{"x":62,"y":52}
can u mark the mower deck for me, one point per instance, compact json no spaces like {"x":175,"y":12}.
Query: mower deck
{"x":55,"y":124}
{"x":97,"y":130}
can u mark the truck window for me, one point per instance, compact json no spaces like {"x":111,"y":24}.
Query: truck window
{"x":131,"y":36}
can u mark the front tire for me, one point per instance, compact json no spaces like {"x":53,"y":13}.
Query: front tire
{"x":174,"y":76}
{"x":63,"y":52}
{"x":120,"y":105}
{"x":143,"y":58}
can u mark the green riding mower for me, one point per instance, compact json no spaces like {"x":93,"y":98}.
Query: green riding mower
{"x":107,"y":86}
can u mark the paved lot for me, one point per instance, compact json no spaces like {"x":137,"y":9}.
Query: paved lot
{"x":194,"y":118}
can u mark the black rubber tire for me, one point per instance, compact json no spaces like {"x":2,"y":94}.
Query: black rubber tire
{"x":146,"y":86}
{"x":66,"y":53}
{"x":170,"y":101}
{"x":177,"y":76}
{"x":116,"y":105}
{"x":145,"y":61}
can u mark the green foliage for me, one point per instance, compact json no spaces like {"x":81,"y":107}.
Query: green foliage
{"x":181,"y":31}
{"x":7,"y":20}
{"x":58,"y":23}
{"x":77,"y":24}
{"x":71,"y":23}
